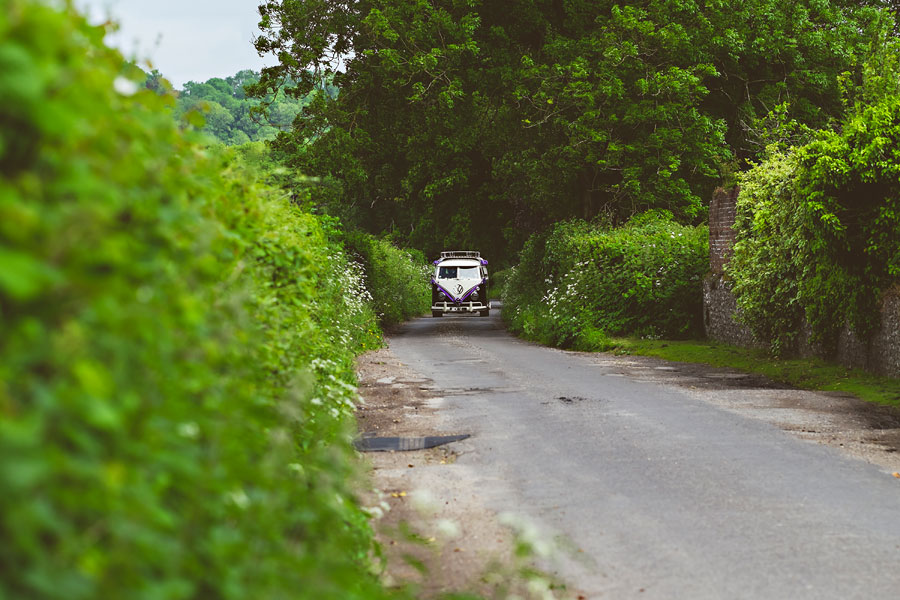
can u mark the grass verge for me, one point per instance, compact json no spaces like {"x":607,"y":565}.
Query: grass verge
{"x":809,"y":374}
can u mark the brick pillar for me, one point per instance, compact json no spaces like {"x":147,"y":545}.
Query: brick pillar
{"x":721,"y":228}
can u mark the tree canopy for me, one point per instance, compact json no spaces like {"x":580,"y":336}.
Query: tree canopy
{"x":461,"y":122}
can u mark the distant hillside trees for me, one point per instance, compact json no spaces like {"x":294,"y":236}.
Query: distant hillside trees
{"x":230,"y":115}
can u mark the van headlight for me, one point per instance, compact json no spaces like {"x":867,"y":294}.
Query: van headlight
{"x":474,"y":296}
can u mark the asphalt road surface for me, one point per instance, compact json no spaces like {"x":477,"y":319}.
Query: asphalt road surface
{"x":652,"y":491}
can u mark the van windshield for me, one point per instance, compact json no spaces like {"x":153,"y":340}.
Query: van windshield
{"x":459,"y":273}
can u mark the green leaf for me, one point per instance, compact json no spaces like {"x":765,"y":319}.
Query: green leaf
{"x":23,"y":277}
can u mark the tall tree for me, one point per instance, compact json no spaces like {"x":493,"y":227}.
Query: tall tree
{"x":463,"y":122}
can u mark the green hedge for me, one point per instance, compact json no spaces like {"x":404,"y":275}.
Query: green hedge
{"x":817,"y":231}
{"x":176,"y":350}
{"x":397,"y":280}
{"x":579,"y":283}
{"x":763,"y":270}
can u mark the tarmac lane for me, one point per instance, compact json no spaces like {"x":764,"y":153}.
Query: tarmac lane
{"x":652,"y":486}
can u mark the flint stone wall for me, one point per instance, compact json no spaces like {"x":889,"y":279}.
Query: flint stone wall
{"x":719,"y":309}
{"x":879,"y":354}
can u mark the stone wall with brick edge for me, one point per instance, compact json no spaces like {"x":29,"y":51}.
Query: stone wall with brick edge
{"x":719,"y":305}
{"x":879,"y":354}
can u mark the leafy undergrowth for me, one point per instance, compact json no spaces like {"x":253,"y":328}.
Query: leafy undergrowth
{"x":810,"y":374}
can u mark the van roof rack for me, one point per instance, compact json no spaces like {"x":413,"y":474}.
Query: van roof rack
{"x":461,"y":254}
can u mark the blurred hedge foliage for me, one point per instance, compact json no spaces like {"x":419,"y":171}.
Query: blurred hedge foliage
{"x":176,"y":349}
{"x":580,"y":283}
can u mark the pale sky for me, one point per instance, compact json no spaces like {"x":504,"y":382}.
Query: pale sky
{"x":185,"y":39}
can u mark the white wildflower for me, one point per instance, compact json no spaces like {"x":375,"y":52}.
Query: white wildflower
{"x":125,"y":86}
{"x":188,"y":430}
{"x":240,"y":499}
{"x":447,"y":529}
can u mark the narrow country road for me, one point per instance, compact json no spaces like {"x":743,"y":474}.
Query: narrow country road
{"x":656,"y":491}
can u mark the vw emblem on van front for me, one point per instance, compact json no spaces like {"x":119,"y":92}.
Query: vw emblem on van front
{"x":459,"y":289}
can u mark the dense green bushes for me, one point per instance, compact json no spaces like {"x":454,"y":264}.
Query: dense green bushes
{"x":817,"y":228}
{"x":579,"y":283}
{"x":762,"y":269}
{"x":176,"y":350}
{"x":396,"y":279}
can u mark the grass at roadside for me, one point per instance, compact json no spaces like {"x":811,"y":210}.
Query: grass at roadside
{"x":811,"y":374}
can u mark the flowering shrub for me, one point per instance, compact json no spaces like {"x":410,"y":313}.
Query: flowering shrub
{"x":176,"y":350}
{"x":397,"y":280}
{"x":579,"y":283}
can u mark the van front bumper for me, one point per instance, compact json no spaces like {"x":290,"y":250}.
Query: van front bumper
{"x":461,"y":307}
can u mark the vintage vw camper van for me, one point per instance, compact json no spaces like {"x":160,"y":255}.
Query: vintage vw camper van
{"x":460,"y":284}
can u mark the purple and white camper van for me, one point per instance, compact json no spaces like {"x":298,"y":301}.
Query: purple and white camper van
{"x":460,"y":284}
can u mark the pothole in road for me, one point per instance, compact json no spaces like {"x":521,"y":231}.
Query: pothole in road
{"x":471,"y":391}
{"x":466,"y":361}
{"x":369,"y":443}
{"x":571,"y":399}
